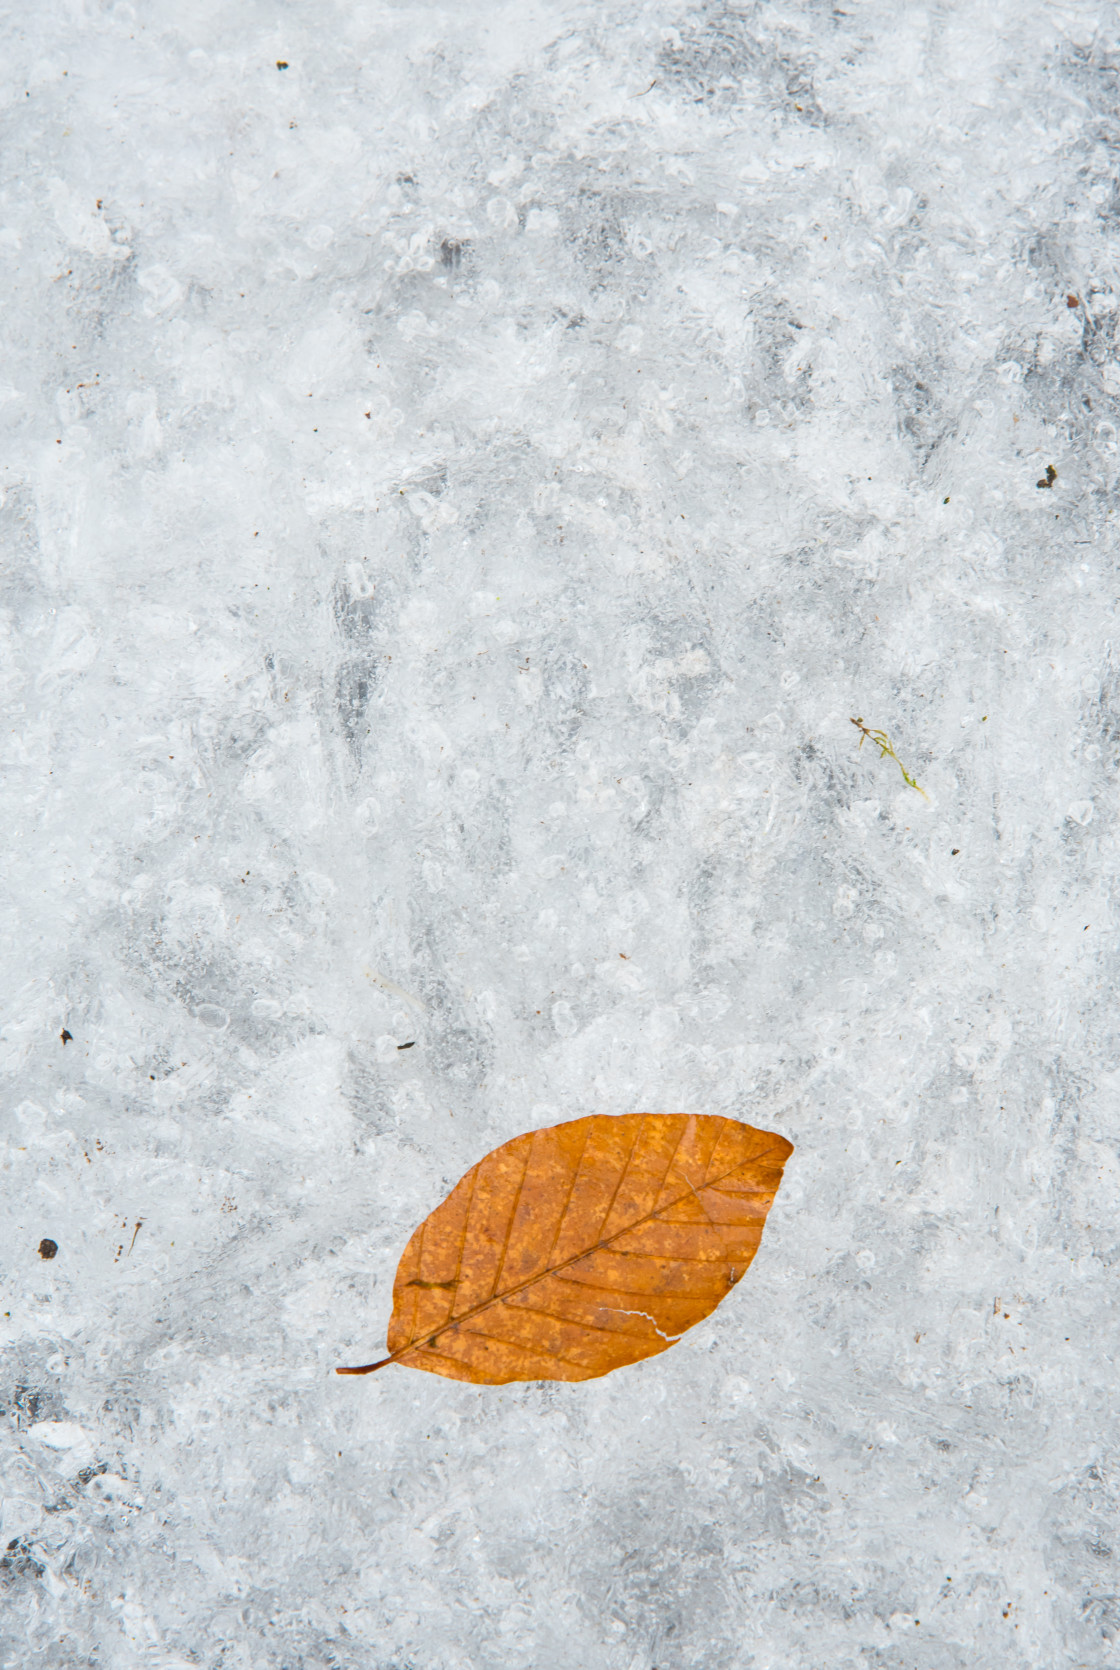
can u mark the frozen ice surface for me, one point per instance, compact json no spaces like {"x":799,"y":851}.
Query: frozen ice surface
{"x":463,"y":469}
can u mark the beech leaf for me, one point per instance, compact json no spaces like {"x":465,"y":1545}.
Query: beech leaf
{"x":573,"y":1250}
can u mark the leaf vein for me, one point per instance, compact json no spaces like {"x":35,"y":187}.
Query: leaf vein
{"x":528,"y":1350}
{"x":571,"y":1192}
{"x":622,"y":1175}
{"x":513,"y":1214}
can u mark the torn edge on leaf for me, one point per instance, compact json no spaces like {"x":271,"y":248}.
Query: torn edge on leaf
{"x":615,"y":1311}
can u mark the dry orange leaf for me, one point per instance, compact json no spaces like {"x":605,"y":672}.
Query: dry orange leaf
{"x":571,"y":1251}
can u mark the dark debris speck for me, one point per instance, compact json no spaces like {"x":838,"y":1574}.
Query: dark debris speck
{"x":18,"y":1561}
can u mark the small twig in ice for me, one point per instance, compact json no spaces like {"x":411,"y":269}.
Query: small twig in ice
{"x":883,"y":743}
{"x":391,"y":986}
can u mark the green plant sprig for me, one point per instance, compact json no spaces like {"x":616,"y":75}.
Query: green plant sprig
{"x":883,"y":743}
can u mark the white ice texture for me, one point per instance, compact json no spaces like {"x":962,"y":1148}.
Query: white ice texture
{"x":458,"y":489}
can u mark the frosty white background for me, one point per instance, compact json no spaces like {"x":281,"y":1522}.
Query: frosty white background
{"x":458,"y":487}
